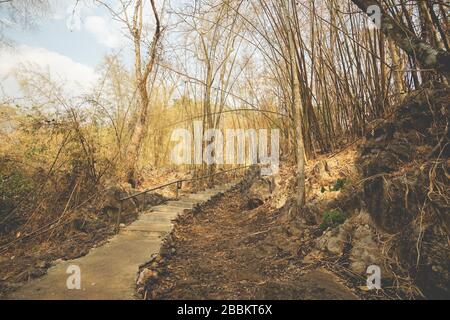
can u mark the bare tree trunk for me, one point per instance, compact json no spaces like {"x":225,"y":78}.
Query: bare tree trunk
{"x":296,"y":109}
{"x":141,"y":127}
{"x":397,"y":70}
{"x":427,"y":56}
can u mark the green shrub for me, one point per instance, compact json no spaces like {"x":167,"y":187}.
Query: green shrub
{"x":339,"y":184}
{"x":332,"y":219}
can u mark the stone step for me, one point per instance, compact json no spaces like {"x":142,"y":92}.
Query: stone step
{"x":150,"y":226}
{"x":208,"y":192}
{"x":182,"y":204}
{"x":164,"y":208}
{"x":107,"y":272}
{"x":158,"y":217}
{"x":199,"y":197}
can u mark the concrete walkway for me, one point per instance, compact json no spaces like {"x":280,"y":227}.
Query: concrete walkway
{"x":109,"y":272}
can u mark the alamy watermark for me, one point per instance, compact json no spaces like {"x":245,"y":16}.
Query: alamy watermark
{"x":374,"y":19}
{"x":232,"y":147}
{"x":374,"y":278}
{"x":73,"y":282}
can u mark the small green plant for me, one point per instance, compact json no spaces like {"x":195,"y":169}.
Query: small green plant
{"x":339,"y":184}
{"x":332,"y":219}
{"x":323,"y":190}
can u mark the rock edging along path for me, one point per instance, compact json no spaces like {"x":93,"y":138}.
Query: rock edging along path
{"x":109,"y":272}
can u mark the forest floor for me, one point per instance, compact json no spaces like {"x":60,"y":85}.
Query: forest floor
{"x":226,"y":250}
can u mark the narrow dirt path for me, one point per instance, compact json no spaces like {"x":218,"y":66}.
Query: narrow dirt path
{"x":109,"y":272}
{"x":225,"y":251}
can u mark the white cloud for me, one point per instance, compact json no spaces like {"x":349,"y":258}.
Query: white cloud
{"x":104,"y":30}
{"x":78,"y":78}
{"x":58,"y":16}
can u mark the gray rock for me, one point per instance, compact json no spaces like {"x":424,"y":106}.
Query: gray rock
{"x":145,"y":276}
{"x":262,"y":189}
{"x":334,"y":240}
{"x":112,"y":198}
{"x":365,"y":251}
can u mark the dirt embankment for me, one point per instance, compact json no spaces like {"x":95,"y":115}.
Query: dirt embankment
{"x":405,"y":164}
{"x":395,"y":205}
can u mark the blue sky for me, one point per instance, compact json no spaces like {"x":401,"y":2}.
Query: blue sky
{"x":80,"y":45}
{"x":69,"y":46}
